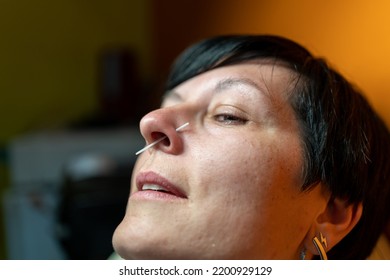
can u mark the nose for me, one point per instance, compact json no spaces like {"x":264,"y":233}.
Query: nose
{"x":163,"y":126}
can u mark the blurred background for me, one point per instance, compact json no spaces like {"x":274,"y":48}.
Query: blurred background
{"x":76,"y":77}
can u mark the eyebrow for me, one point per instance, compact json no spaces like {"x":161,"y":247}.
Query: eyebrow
{"x":222,"y":85}
{"x":234,"y":82}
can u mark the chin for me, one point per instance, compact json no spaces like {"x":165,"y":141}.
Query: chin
{"x":142,"y":247}
{"x":126,"y":247}
{"x":132,"y":243}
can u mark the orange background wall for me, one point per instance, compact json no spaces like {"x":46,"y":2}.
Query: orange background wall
{"x":354,"y":35}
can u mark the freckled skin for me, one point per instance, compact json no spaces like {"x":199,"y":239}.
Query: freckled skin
{"x":242,"y":179}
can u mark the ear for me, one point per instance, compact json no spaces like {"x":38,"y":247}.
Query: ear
{"x":334,"y":223}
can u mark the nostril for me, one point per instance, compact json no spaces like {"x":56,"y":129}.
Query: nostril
{"x":159,"y":135}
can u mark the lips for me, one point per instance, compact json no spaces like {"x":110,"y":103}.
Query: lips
{"x":154,"y":184}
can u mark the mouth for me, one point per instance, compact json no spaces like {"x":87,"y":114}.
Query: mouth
{"x":156,"y":188}
{"x":150,"y":184}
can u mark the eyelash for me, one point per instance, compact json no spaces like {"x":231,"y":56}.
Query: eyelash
{"x":229,"y":119}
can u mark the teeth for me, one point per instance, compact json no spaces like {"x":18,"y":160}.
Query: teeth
{"x":147,"y":187}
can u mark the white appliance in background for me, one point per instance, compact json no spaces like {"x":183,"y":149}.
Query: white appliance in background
{"x":37,"y":163}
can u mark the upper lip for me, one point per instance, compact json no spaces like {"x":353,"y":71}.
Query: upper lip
{"x":156,"y":179}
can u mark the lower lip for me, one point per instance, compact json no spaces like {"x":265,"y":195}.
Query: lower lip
{"x":155,"y":195}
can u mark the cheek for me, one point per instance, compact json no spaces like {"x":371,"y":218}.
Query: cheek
{"x":245,"y":191}
{"x":248,"y":165}
{"x":250,"y":181}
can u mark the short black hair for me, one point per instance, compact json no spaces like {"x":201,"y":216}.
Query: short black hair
{"x":345,"y":142}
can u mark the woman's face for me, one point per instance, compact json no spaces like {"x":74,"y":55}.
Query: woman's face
{"x":227,"y":186}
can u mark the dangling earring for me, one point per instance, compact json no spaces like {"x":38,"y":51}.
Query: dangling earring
{"x":302,"y":254}
{"x":321,"y":246}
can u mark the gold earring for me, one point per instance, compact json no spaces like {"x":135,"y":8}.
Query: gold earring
{"x":321,"y":246}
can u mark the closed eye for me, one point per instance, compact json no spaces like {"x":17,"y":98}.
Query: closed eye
{"x":229,"y":119}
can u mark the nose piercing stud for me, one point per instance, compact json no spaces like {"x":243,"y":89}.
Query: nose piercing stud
{"x":159,"y":140}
